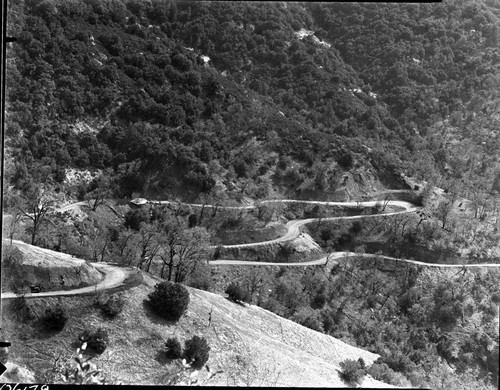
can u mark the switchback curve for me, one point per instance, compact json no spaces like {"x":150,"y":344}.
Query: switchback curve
{"x":293,"y":231}
{"x":113,"y":277}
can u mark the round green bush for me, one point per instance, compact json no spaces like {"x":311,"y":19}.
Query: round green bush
{"x":97,"y":341}
{"x":55,"y":318}
{"x":196,"y":351}
{"x":382,"y":372}
{"x":113,"y":306}
{"x":352,"y":371}
{"x":236,"y":293}
{"x":169,"y":300}
{"x":173,"y":348}
{"x":135,"y":217}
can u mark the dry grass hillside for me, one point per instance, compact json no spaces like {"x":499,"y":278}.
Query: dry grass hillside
{"x":249,"y":345}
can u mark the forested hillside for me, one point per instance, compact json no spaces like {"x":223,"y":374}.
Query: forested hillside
{"x":246,"y":100}
{"x":437,"y":67}
{"x":230,"y":103}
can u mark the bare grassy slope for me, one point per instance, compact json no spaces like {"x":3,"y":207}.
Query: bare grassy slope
{"x":249,"y":345}
{"x":270,"y":349}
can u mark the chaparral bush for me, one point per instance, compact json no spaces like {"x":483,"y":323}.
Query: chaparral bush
{"x":196,"y":351}
{"x":237,"y":293}
{"x":97,"y":340}
{"x":352,"y":371}
{"x":55,"y":318}
{"x":169,"y":300}
{"x":173,"y":348}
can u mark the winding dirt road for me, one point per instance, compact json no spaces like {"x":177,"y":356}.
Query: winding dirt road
{"x":360,"y":204}
{"x":115,"y":276}
{"x":293,"y":227}
{"x":333,"y":256}
{"x":70,"y":206}
{"x":293,"y":231}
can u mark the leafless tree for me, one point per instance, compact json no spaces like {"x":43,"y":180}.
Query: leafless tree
{"x":100,"y":190}
{"x":256,"y":279}
{"x":148,"y":245}
{"x":443,"y":212}
{"x":13,"y":225}
{"x":181,"y":249}
{"x":35,"y":205}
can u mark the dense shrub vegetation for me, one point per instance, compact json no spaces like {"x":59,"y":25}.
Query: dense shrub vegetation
{"x":11,"y":272}
{"x":112,"y":305}
{"x":290,"y":115}
{"x":55,"y":318}
{"x":169,"y":300}
{"x":97,"y":340}
{"x":353,"y":371}
{"x":236,"y":293}
{"x":196,"y":351}
{"x":305,"y":100}
{"x":401,"y":314}
{"x":173,"y":348}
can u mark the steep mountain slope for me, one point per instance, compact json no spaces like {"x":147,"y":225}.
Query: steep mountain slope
{"x":271,"y":110}
{"x":225,"y":103}
{"x":244,"y":100}
{"x":249,"y":345}
{"x":437,"y":68}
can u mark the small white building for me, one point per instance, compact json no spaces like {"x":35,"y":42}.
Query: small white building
{"x":139,"y":202}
